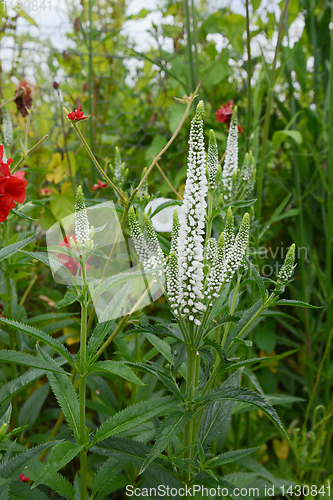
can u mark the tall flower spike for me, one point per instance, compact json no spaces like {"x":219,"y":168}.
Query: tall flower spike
{"x":174,"y":232}
{"x":217,"y":272}
{"x":211,"y":250}
{"x":137,"y":236}
{"x":172,"y":280}
{"x":192,"y":222}
{"x":82,"y":229}
{"x":236,"y":256}
{"x":7,"y":128}
{"x":287,"y":268}
{"x":231,"y":156}
{"x":248,"y":172}
{"x":212,"y":159}
{"x":117,"y":166}
{"x":155,"y":251}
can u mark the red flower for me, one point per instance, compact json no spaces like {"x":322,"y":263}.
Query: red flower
{"x":99,"y":185}
{"x":23,"y":96}
{"x":44,"y":191}
{"x":12,"y":187}
{"x":77,"y":115}
{"x":69,"y":262}
{"x":224,"y":114}
{"x":23,"y":478}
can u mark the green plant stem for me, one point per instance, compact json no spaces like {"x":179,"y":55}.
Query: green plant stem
{"x":249,"y":74}
{"x":9,"y":100}
{"x":65,"y":141}
{"x":232,"y":310}
{"x":95,"y":162}
{"x":26,"y":293}
{"x":329,"y":217}
{"x":82,"y":384}
{"x":190,"y":389}
{"x":25,"y":154}
{"x":90,"y":89}
{"x":260,"y":176}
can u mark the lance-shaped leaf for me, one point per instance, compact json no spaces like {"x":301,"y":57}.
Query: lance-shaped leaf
{"x":56,"y":482}
{"x":101,"y":331}
{"x":228,"y":457}
{"x":13,"y":387}
{"x":107,"y":472}
{"x":11,"y":468}
{"x":65,"y":394}
{"x":243,"y":395}
{"x":117,"y":368}
{"x":170,"y":427}
{"x":40,"y":335}
{"x":134,"y":415}
{"x":11,"y":249}
{"x":24,"y":359}
{"x":53,"y":263}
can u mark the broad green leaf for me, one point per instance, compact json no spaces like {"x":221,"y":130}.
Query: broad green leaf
{"x":65,"y":394}
{"x":40,"y":335}
{"x":22,"y":491}
{"x":244,"y":395}
{"x":117,"y":368}
{"x":216,"y":417}
{"x":107,"y":472}
{"x":230,"y":456}
{"x":161,"y":346}
{"x":11,"y":249}
{"x":24,"y":359}
{"x":169,"y":428}
{"x":132,"y":416}
{"x":281,"y":135}
{"x":32,"y":406}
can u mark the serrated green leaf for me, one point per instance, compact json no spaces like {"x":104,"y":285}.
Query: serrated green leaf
{"x":60,"y":455}
{"x":101,"y":331}
{"x":65,"y":394}
{"x":24,"y":359}
{"x":132,"y":416}
{"x":55,"y":264}
{"x":11,"y":249}
{"x":10,"y":389}
{"x":12,"y":468}
{"x":69,"y":299}
{"x":230,"y":456}
{"x":40,"y":335}
{"x":56,"y":482}
{"x":161,"y":346}
{"x":246,"y":396}
{"x":296,"y":303}
{"x":116,"y":367}
{"x":169,"y":428}
{"x":114,"y":308}
{"x":108,"y":471}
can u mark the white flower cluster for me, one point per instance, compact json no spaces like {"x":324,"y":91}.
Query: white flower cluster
{"x":231,"y":156}
{"x":287,"y":268}
{"x":82,"y":229}
{"x":212,"y":159}
{"x":211,"y":249}
{"x":192,"y":223}
{"x":147,"y":246}
{"x":229,"y":257}
{"x":248,"y":172}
